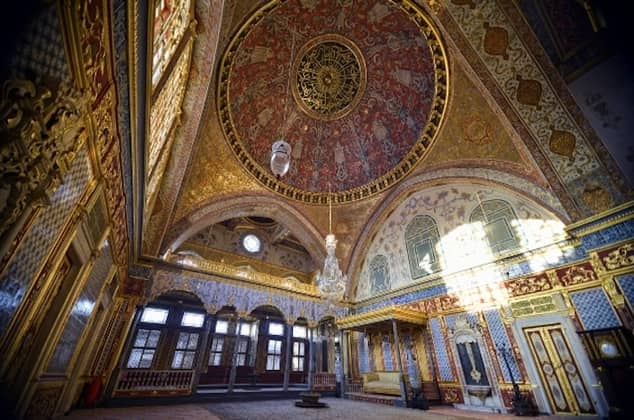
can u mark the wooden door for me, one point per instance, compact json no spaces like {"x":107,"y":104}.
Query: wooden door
{"x":558,"y":369}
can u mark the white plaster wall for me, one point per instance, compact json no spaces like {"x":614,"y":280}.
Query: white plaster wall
{"x":606,"y":96}
{"x":462,"y":245}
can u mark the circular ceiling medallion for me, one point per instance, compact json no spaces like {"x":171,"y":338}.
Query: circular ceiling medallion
{"x":328,"y":77}
{"x":358,"y":89}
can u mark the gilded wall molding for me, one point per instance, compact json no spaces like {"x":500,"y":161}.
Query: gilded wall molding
{"x":42,"y":132}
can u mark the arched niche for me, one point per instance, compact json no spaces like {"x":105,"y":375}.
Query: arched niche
{"x":476,"y":373}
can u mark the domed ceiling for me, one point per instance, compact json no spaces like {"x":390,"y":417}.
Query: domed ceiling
{"x":357,"y":88}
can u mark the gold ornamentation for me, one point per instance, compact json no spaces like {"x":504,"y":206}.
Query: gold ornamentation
{"x":527,"y":285}
{"x":496,"y":40}
{"x":42,"y":132}
{"x":528,"y":307}
{"x":409,"y":161}
{"x":451,"y":395}
{"x":329,"y":76}
{"x":577,"y":275}
{"x":613,"y":292}
{"x":44,"y":401}
{"x":477,"y":131}
{"x":562,"y":142}
{"x":620,"y":257}
{"x":529,"y":92}
{"x":597,"y":198}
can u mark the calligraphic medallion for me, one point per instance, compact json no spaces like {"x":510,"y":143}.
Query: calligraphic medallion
{"x":329,"y":77}
{"x":359,"y":110}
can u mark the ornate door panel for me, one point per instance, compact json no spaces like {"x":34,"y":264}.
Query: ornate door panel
{"x":558,"y":370}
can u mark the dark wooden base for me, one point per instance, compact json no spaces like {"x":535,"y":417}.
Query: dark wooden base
{"x":310,"y":400}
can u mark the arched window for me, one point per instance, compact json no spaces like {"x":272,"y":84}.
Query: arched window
{"x":379,"y":274}
{"x":421,"y":238}
{"x":497,"y":216}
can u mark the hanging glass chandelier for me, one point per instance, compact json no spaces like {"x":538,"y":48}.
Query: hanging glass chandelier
{"x":331,"y":282}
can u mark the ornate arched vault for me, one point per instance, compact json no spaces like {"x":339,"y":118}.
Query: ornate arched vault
{"x":392,"y":122}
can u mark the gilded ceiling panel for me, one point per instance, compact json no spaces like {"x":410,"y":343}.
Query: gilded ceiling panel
{"x":472,"y":131}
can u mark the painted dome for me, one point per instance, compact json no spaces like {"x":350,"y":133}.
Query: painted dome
{"x":357,"y":88}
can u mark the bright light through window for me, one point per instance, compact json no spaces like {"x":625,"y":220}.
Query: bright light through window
{"x":276,"y":329}
{"x":222,"y":327}
{"x":251,"y":243}
{"x":154,"y":315}
{"x":299,"y":331}
{"x":191,"y":319}
{"x":245,"y":328}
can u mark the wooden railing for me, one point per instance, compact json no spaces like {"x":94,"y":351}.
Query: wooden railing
{"x":324,"y":381}
{"x":154,"y":382}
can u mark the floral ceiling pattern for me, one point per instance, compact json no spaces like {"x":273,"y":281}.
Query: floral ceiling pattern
{"x":375,"y":135}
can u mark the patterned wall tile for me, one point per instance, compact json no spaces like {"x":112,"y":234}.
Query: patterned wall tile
{"x":500,"y":338}
{"x":594,"y":309}
{"x":626,"y":282}
{"x":412,"y":367}
{"x":364,"y":354}
{"x":214,"y":294}
{"x":450,"y":320}
{"x":388,"y":361}
{"x":442,"y":357}
{"x":32,"y":252}
{"x":39,"y":54}
{"x":81,"y":312}
{"x":610,"y":235}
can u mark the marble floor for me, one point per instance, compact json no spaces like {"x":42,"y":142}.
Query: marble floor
{"x":286,"y":410}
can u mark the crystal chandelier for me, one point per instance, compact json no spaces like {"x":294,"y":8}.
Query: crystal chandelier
{"x":331,"y":282}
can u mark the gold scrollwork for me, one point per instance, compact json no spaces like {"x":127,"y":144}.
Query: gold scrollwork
{"x":396,"y":174}
{"x":330,"y":77}
{"x":42,"y":132}
{"x":621,"y":257}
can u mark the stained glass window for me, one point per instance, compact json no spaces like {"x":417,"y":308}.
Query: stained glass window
{"x":421,"y":239}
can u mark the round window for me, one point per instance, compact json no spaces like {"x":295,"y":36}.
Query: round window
{"x":251,"y":243}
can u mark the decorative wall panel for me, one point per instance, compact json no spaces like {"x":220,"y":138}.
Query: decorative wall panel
{"x":33,"y":250}
{"x":500,"y":338}
{"x":440,"y":348}
{"x":411,"y":366}
{"x":566,"y":145}
{"x":171,"y":19}
{"x":388,"y":361}
{"x":80,"y":313}
{"x":594,"y":309}
{"x":167,"y":107}
{"x":216,"y":293}
{"x":626,"y":282}
{"x":364,"y":354}
{"x":39,"y":54}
